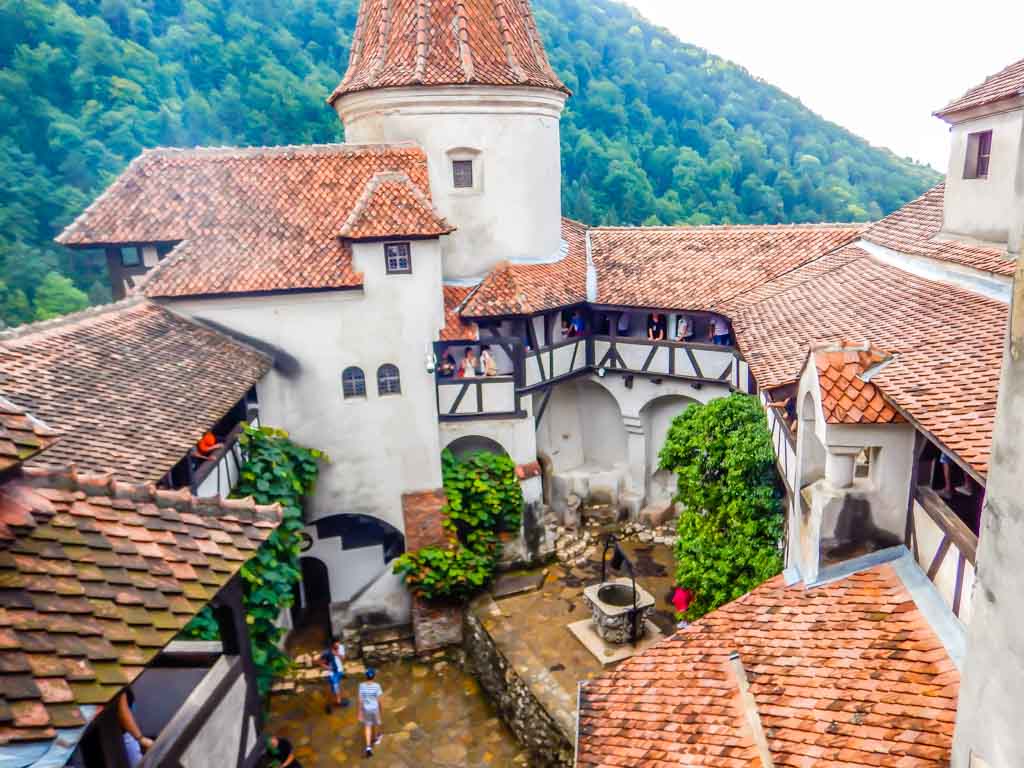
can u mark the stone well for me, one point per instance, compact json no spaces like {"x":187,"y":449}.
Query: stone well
{"x":611,"y":604}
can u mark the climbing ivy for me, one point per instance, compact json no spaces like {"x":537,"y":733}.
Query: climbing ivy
{"x":731,"y":522}
{"x":276,"y":471}
{"x":484,"y":498}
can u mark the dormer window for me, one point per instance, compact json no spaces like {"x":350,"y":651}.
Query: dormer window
{"x":462,"y":174}
{"x":131,"y":257}
{"x":979,"y":148}
{"x":397,"y":258}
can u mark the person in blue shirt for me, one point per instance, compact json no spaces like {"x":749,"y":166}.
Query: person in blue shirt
{"x":333,"y":660}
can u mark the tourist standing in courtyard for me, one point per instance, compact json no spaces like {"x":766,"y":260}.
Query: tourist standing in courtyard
{"x":369,"y":710}
{"x":333,"y":660}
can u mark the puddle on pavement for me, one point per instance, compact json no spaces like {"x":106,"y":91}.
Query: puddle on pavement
{"x":434,"y":716}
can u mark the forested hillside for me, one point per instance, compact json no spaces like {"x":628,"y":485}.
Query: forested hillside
{"x":657,"y":131}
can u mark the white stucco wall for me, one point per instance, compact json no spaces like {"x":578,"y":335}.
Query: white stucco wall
{"x":511,"y":134}
{"x":983,"y":208}
{"x":658,"y":416}
{"x":382,"y":446}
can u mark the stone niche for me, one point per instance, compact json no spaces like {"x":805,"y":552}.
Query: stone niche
{"x":611,"y":606}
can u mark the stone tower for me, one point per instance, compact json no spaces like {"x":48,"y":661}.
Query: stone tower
{"x":469,"y":81}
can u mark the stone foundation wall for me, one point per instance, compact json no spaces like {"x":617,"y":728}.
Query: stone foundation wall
{"x":436,"y":626}
{"x":535,"y":729}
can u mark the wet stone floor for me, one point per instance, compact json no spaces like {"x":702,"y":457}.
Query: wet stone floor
{"x":434,"y":716}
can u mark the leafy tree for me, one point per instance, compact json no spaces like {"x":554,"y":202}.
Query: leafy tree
{"x":57,"y":295}
{"x":731,"y":522}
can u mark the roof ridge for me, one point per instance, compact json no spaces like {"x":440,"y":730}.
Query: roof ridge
{"x":41,"y":326}
{"x":506,"y":40}
{"x":721,"y":227}
{"x":182,"y":499}
{"x":463,"y":41}
{"x":375,"y":182}
{"x":340,"y":147}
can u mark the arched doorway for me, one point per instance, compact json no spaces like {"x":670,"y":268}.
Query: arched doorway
{"x":463,"y":446}
{"x":657,"y":416}
{"x":311,"y":608}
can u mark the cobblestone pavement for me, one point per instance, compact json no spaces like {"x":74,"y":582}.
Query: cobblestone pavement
{"x":434,"y":716}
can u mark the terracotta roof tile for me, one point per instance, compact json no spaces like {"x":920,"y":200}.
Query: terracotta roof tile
{"x":69,"y":649}
{"x":249,"y":220}
{"x":21,"y":435}
{"x":130,"y":387}
{"x":846,"y":674}
{"x":455,"y":328}
{"x":846,"y":398}
{"x":446,"y":42}
{"x":945,"y":371}
{"x":914,"y":229}
{"x":1004,"y":84}
{"x":700,"y":268}
{"x":392,"y":206}
{"x":514,"y":289}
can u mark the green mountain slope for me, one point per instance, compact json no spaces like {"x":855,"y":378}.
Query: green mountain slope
{"x":657,"y":131}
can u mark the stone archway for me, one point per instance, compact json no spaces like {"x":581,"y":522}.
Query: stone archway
{"x":811,"y":451}
{"x":467,"y":444}
{"x":657,"y":416}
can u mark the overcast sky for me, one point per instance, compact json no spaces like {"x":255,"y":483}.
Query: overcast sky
{"x":876,"y":67}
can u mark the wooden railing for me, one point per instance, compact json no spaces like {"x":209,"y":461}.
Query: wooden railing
{"x":674,"y":359}
{"x":945,"y":548}
{"x":784,"y":443}
{"x":553,"y":363}
{"x":478,"y":397}
{"x":219,"y":475}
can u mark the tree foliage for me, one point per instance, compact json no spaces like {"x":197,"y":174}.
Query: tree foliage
{"x":732,"y":521}
{"x":657,"y":131}
{"x":484,"y":498}
{"x":276,"y":471}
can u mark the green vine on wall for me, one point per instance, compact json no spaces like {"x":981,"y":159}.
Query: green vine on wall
{"x":484,"y":499}
{"x":278,"y":471}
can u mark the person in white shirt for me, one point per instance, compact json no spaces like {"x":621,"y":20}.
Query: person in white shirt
{"x":369,"y":710}
{"x":720,"y":331}
{"x":684,"y":328}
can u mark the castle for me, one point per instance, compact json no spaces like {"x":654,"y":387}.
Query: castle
{"x":347,"y":292}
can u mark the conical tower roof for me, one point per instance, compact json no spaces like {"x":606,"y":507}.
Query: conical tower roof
{"x":446,"y":42}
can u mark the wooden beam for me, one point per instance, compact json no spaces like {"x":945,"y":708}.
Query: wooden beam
{"x":962,"y":537}
{"x":543,"y":406}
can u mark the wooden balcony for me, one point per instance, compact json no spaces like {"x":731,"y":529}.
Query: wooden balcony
{"x":218,"y":475}
{"x":478,"y":397}
{"x":784,"y":443}
{"x":704,"y":363}
{"x":944,"y":546}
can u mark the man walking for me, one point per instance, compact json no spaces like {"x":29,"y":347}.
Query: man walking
{"x":333,"y":660}
{"x":369,"y":710}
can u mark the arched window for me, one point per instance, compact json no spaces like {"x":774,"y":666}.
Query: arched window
{"x":388,"y":380}
{"x":353,"y":382}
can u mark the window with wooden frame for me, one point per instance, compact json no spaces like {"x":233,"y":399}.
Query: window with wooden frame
{"x":389,"y":381}
{"x":462,"y":174}
{"x":353,"y":382}
{"x":397,"y":258}
{"x":979,"y":150}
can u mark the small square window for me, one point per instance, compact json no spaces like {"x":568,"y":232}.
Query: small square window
{"x":979,"y":150}
{"x":131,"y":257}
{"x":397,"y":258}
{"x":462,"y":174}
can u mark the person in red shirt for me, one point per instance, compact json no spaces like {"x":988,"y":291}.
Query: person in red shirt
{"x":206,"y":446}
{"x":680,"y":598}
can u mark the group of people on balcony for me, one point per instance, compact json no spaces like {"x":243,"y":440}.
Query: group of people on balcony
{"x":470,"y":366}
{"x":718,"y":330}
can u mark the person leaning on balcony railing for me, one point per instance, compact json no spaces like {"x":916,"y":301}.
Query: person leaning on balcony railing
{"x":447,"y":366}
{"x":206,"y":447}
{"x":684,"y":328}
{"x":656,"y":327}
{"x":720,"y":331}
{"x":487,"y":363}
{"x":469,"y":366}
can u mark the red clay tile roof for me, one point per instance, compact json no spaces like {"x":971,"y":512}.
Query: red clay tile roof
{"x":846,"y":398}
{"x":522,"y":289}
{"x":446,"y":42}
{"x":846,"y":674}
{"x":392,"y":206}
{"x":259,"y":219}
{"x":700,"y":268}
{"x":455,"y":328}
{"x":1004,"y":84}
{"x":98,"y":577}
{"x":913,"y":229}
{"x":130,"y":387}
{"x":22,"y":435}
{"x":947,"y":342}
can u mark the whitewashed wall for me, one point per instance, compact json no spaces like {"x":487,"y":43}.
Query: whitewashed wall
{"x":512,"y":134}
